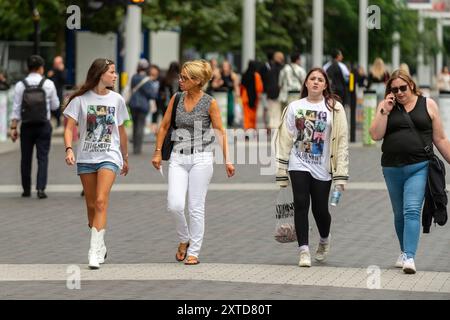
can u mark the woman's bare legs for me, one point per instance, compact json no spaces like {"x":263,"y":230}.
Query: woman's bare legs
{"x":105,"y":180}
{"x":89,"y":181}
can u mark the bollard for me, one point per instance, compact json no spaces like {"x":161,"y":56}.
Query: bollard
{"x":369,"y":107}
{"x":222,"y":102}
{"x":444,"y":110}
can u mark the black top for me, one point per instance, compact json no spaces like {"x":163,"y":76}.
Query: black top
{"x":400,"y":145}
{"x":59,"y":79}
{"x":227,"y":83}
{"x":270,"y":81}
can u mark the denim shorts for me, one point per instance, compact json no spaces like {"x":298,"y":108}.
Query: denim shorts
{"x":83,"y":168}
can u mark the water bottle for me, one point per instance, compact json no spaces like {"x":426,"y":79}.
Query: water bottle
{"x":336,"y":195}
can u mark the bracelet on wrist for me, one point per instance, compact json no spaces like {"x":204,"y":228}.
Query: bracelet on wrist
{"x":384,"y":112}
{"x":158,"y":149}
{"x":69,"y":148}
{"x":13,"y":128}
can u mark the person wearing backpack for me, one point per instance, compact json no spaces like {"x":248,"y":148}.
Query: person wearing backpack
{"x":291,"y":80}
{"x":34,"y":98}
{"x":143,"y":91}
{"x":407,"y":121}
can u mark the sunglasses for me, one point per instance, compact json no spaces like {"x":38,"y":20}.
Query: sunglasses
{"x":401,"y":88}
{"x":183,"y":78}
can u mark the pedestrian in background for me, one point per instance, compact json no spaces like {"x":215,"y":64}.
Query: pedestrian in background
{"x":156,"y":104}
{"x":169,"y":83}
{"x":142,"y":93}
{"x":338,"y":75}
{"x":404,"y":161}
{"x":312,"y":145}
{"x":443,"y":79}
{"x":58,"y":75}
{"x":292,"y":77}
{"x":34,"y":98}
{"x":251,"y":89}
{"x":272,"y":82}
{"x":4,"y":84}
{"x":191,"y":161}
{"x":230,"y":83}
{"x":377,"y":79}
{"x":102,"y":152}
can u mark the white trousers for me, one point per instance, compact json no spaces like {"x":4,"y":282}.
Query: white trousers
{"x":189,"y":174}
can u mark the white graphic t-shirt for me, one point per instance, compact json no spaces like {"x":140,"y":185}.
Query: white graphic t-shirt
{"x":98,"y":118}
{"x":310,"y":125}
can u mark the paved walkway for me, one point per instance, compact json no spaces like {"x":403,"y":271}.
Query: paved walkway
{"x":40,"y":239}
{"x":391,"y":279}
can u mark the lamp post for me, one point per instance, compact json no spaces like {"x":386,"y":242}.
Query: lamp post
{"x":363,"y":35}
{"x":317,"y":39}
{"x":248,"y":31}
{"x":37,"y":29}
{"x":396,"y":50}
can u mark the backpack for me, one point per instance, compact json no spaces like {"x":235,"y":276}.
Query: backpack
{"x":34,"y":104}
{"x":129,"y":92}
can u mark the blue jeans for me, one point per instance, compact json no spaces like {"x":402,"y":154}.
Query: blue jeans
{"x":84,"y":168}
{"x":406,"y":186}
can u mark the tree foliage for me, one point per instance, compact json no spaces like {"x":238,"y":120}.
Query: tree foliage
{"x":216,"y":25}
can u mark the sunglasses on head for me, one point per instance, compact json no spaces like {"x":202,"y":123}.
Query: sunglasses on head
{"x":183,"y":78}
{"x":401,"y":88}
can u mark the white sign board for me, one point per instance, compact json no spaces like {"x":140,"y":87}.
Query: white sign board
{"x":420,"y":4}
{"x":164,"y":48}
{"x":91,"y":46}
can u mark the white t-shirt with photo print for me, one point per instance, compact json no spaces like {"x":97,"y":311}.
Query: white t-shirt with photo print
{"x":98,"y":118}
{"x":310,"y":125}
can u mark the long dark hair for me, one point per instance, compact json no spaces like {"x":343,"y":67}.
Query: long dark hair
{"x":330,"y":98}
{"x":95,"y":72}
{"x":248,"y":81}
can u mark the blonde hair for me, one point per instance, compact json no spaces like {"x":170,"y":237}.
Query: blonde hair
{"x":405,"y":68}
{"x":378,"y":69}
{"x":198,"y":70}
{"x":404,"y":75}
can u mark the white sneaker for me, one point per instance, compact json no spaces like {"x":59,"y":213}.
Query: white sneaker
{"x":408,"y":266}
{"x":305,"y":259}
{"x":401,"y":259}
{"x":323,"y":250}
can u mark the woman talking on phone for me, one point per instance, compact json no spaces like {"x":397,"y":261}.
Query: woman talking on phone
{"x":404,"y":161}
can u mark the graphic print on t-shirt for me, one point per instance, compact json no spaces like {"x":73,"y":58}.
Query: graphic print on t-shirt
{"x":99,"y":128}
{"x":311,"y":126}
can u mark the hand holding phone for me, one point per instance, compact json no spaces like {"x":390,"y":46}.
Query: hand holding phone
{"x":389,"y":102}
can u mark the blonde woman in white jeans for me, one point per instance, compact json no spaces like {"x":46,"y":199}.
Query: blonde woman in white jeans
{"x":191,"y":161}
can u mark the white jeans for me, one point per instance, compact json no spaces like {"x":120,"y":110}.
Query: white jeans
{"x":189,"y":173}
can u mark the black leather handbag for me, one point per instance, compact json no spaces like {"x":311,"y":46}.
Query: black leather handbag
{"x":167,"y":146}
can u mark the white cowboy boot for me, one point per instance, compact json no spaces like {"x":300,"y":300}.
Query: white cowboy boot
{"x":93,"y":250}
{"x":101,"y":253}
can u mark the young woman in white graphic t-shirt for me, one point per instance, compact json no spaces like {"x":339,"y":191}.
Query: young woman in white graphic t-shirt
{"x":102,"y":153}
{"x":312,"y":145}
